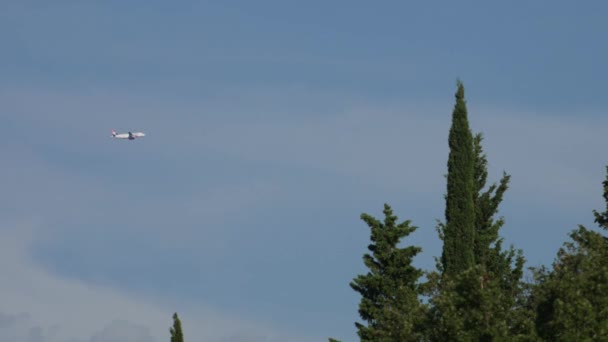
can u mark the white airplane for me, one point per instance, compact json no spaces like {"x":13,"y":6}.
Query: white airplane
{"x":130,"y":135}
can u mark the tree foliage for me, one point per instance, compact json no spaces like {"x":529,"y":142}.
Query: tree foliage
{"x":176,"y":331}
{"x":459,"y":231}
{"x":390,"y":289}
{"x":571,"y":300}
{"x":486,"y":202}
{"x":484,"y":300}
{"x":602,"y":218}
{"x":477,"y":292}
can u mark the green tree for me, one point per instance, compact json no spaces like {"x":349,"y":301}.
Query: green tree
{"x":486,"y":204}
{"x":390,"y":289}
{"x":572,"y":299}
{"x":479,"y":295}
{"x":602,"y":218}
{"x":458,"y":303}
{"x":501,"y":271}
{"x":459,"y":230}
{"x":475,"y":305}
{"x":176,"y":331}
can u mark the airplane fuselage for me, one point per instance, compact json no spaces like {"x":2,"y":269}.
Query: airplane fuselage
{"x":130,"y":135}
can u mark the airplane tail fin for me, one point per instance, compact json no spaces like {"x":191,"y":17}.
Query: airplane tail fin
{"x":113,"y":133}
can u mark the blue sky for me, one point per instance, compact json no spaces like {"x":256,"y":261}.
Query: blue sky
{"x":272,"y":125}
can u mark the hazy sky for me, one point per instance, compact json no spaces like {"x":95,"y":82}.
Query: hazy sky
{"x":271,"y":126}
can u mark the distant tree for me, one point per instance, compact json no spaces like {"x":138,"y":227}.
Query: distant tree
{"x":572,"y":299}
{"x":390,"y":289}
{"x":176,"y":331}
{"x":459,"y":229}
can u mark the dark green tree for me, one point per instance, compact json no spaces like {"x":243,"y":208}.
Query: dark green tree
{"x":459,"y":230}
{"x":486,"y":202}
{"x":602,"y":218}
{"x":389,"y":291}
{"x":176,"y":331}
{"x":458,"y":303}
{"x":501,"y":271}
{"x":476,"y":305}
{"x":572,"y":299}
{"x":479,"y":295}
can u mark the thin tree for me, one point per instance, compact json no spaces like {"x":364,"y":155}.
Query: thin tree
{"x":475,"y":297}
{"x":176,"y":331}
{"x":459,"y":229}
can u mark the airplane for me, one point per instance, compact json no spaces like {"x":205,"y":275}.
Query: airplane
{"x":130,"y":135}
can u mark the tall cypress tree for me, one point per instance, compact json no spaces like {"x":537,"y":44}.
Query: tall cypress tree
{"x":176,"y":331}
{"x":477,"y":296}
{"x":459,"y":230}
{"x":390,"y":289}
